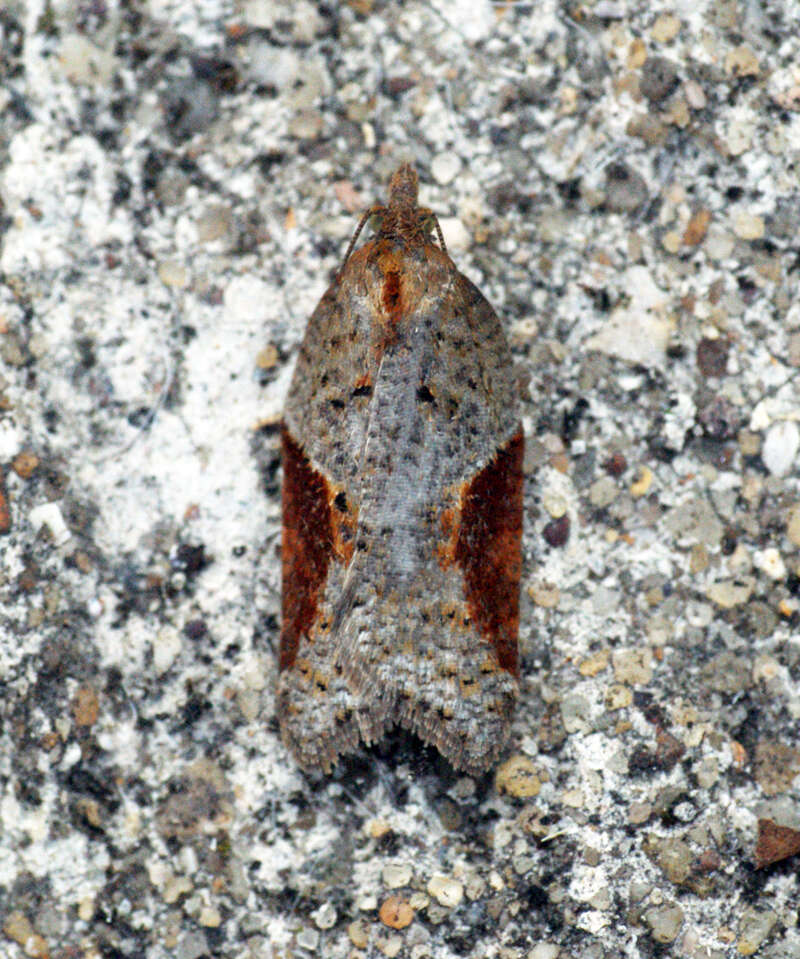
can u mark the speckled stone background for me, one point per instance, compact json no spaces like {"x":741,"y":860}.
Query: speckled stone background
{"x":178,"y":181}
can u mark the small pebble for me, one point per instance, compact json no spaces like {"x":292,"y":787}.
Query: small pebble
{"x":395,"y":875}
{"x":544,"y":950}
{"x":633,"y":666}
{"x":695,"y":95}
{"x":665,"y":922}
{"x":728,"y":594}
{"x":85,"y":706}
{"x":603,"y":492}
{"x":209,"y":917}
{"x":456,"y":235}
{"x":793,"y":525}
{"x":307,"y":938}
{"x":618,"y":697}
{"x":659,"y":78}
{"x":642,"y":483}
{"x":697,"y":227}
{"x":555,"y":504}
{"x":359,"y":936}
{"x":446,"y":891}
{"x":625,"y":189}
{"x":391,"y":947}
{"x":575,"y":713}
{"x":24,"y":464}
{"x":769,"y":561}
{"x":665,"y":28}
{"x":742,"y":62}
{"x":173,"y":274}
{"x":306,"y":125}
{"x":595,"y":663}
{"x":712,"y":356}
{"x":754,"y":927}
{"x":325,"y":916}
{"x":545,"y":595}
{"x":396,"y":913}
{"x":748,"y":226}
{"x":445,"y":167}
{"x":556,"y":532}
{"x":779,"y":451}
{"x":50,"y":515}
{"x":517,"y":777}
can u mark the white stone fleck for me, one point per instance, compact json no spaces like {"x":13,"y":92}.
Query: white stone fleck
{"x":445,"y":167}
{"x":779,"y":451}
{"x":50,"y":515}
{"x":769,"y":561}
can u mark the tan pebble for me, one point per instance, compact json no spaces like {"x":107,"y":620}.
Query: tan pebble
{"x":446,"y":891}
{"x":595,"y":663}
{"x":754,"y":927}
{"x":748,"y":226}
{"x":793,"y":525}
{"x":639,"y":812}
{"x":24,"y":464}
{"x":698,"y":558}
{"x":573,"y":798}
{"x":306,"y":125}
{"x":697,"y":227}
{"x":496,"y":881}
{"x":665,"y":28}
{"x":396,"y":913}
{"x":17,"y":927}
{"x":267,"y":358}
{"x":209,"y":917}
{"x":173,"y":274}
{"x":358,"y":933}
{"x":618,"y":697}
{"x":643,"y":482}
{"x":665,"y":922}
{"x":727,"y":594}
{"x":742,"y":62}
{"x":378,"y":827}
{"x":391,"y":947}
{"x":517,"y":777}
{"x":544,"y":595}
{"x":85,"y":706}
{"x":788,"y":607}
{"x":175,"y":888}
{"x":738,"y":754}
{"x":637,"y":54}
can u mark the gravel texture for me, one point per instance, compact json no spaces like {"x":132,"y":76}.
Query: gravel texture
{"x":178,"y":182}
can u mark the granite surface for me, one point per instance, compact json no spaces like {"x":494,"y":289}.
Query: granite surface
{"x":178,"y":183}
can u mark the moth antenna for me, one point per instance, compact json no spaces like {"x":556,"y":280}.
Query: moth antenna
{"x":372,"y":211}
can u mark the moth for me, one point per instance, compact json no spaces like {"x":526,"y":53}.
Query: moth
{"x":402,"y":506}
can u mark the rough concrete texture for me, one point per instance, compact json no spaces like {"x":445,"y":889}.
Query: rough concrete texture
{"x":178,"y":182}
